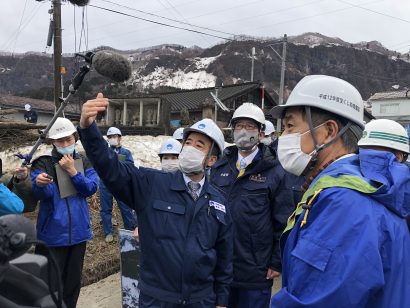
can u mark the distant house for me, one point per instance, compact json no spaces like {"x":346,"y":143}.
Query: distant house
{"x":393,"y":105}
{"x":137,"y":115}
{"x":45,"y":109}
{"x":161,"y":113}
{"x":200,"y":103}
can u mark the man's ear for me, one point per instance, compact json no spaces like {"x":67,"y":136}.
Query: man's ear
{"x":212,"y":160}
{"x":399,"y":155}
{"x":261,"y":135}
{"x":332,"y":130}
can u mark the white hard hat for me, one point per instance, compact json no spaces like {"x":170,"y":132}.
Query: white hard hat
{"x":210,"y":129}
{"x":249,"y":111}
{"x":170,"y":146}
{"x":328,"y":93}
{"x":385,"y":133}
{"x":113,"y":131}
{"x":269,"y":128}
{"x":61,"y":128}
{"x":27,"y":107}
{"x":178,"y":134}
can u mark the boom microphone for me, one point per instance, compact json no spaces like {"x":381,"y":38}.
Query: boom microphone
{"x":109,"y":64}
{"x":112,"y":65}
{"x":17,"y":233}
{"x":79,"y":2}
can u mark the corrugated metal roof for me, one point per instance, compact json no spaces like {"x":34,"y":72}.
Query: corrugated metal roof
{"x":17,"y":102}
{"x":193,"y":99}
{"x":388,"y":95}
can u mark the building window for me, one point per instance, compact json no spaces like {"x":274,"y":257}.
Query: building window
{"x":389,"y":108}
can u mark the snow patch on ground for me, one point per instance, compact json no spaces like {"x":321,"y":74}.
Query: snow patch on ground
{"x":144,"y":150}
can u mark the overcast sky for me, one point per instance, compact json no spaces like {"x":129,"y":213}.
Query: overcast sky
{"x":24,"y":23}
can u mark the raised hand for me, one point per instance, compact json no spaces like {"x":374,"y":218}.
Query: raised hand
{"x":91,"y":108}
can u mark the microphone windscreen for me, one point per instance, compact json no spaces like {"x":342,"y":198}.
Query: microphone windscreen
{"x":79,"y":2}
{"x":112,"y":65}
{"x":11,"y":227}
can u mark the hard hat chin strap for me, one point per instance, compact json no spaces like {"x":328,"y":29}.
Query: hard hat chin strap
{"x":318,"y":147}
{"x":208,"y":156}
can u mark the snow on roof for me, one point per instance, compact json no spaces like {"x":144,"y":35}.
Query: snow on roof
{"x":389,"y":95}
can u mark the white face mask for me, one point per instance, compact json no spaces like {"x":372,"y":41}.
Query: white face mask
{"x":113,"y":141}
{"x":245,"y":140}
{"x":267,"y":141}
{"x":191,"y":160}
{"x":170,"y":165}
{"x":290,"y":153}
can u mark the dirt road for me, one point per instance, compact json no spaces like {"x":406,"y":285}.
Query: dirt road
{"x":107,"y":293}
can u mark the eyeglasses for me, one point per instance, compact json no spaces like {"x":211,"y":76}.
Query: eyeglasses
{"x":246,"y":126}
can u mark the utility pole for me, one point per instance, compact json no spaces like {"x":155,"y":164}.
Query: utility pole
{"x":253,"y":62}
{"x":57,"y":52}
{"x":282,"y":76}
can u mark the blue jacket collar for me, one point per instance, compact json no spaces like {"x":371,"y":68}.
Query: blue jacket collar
{"x":378,"y":168}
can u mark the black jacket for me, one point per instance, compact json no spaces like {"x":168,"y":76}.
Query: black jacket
{"x":186,"y":245}
{"x":260,"y":202}
{"x":30,"y":116}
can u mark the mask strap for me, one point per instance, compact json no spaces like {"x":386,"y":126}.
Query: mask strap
{"x":319,"y":148}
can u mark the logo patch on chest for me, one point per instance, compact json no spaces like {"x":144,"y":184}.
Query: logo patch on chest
{"x":257,"y":178}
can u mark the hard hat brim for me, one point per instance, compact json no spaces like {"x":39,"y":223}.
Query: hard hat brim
{"x":194,"y":130}
{"x":62,"y":135}
{"x":278,"y":111}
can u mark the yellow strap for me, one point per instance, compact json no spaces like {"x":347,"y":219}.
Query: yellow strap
{"x":303,"y":222}
{"x":299,"y":210}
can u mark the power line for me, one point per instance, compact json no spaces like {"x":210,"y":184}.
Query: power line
{"x":270,"y":13}
{"x":24,"y":25}
{"x":229,"y":9}
{"x":315,"y":15}
{"x":159,"y":23}
{"x":183,"y":18}
{"x":166,"y":18}
{"x":19,"y":27}
{"x":375,"y":12}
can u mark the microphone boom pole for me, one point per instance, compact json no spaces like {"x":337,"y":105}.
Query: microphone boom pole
{"x":75,"y":84}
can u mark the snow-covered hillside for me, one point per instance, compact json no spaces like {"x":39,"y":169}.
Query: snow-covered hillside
{"x":194,"y":76}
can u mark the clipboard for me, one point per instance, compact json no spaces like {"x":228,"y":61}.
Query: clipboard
{"x":65,"y":186}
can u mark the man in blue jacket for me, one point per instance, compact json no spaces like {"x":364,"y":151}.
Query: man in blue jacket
{"x":185,"y":228}
{"x":64,"y":223}
{"x":260,"y":195}
{"x":347,"y":242}
{"x":114,"y":139}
